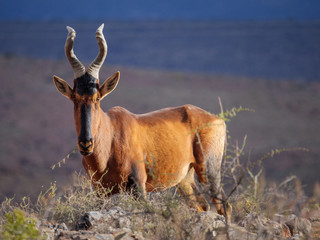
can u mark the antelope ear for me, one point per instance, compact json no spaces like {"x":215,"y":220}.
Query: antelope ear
{"x":109,"y":85}
{"x":62,"y":86}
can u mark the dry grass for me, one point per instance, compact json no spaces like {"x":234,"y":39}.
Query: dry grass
{"x":167,"y":215}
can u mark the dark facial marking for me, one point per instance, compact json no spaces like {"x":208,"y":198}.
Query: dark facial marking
{"x":86,"y":84}
{"x":85,"y":132}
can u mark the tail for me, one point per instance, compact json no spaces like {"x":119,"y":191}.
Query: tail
{"x":215,"y":155}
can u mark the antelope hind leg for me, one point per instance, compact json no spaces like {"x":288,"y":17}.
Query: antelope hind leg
{"x":188,"y":189}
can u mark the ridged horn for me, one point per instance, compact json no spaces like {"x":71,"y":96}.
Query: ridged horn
{"x":95,"y":66}
{"x":76,"y":65}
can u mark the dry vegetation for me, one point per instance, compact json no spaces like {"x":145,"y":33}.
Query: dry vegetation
{"x":167,"y":215}
{"x":267,"y":209}
{"x":40,"y":130}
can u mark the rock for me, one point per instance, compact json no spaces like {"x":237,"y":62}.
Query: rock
{"x":105,"y":236}
{"x":315,"y":227}
{"x":239,"y":233}
{"x":264,"y":227}
{"x":62,"y":226}
{"x":124,"y":236}
{"x":299,"y":226}
{"x":211,"y":225}
{"x":124,"y":222}
{"x":115,"y":223}
{"x":46,"y":231}
{"x":83,"y":235}
{"x":207,"y":224}
{"x":51,"y":231}
{"x":114,"y":217}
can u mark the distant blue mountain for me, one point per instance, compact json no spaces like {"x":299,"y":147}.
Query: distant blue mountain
{"x":159,"y":9}
{"x":271,"y":50}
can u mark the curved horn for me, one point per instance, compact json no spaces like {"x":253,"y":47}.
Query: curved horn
{"x":76,"y":65}
{"x":95,"y":66}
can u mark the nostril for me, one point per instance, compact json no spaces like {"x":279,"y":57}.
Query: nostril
{"x":82,"y":144}
{"x":86,"y":144}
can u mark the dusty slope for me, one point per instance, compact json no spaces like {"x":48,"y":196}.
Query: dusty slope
{"x":36,"y":122}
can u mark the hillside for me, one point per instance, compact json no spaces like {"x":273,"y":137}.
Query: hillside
{"x":37,"y":122}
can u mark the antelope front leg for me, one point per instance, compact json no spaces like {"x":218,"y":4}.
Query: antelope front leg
{"x":137,"y":180}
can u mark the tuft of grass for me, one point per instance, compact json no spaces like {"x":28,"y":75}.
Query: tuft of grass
{"x":78,"y":199}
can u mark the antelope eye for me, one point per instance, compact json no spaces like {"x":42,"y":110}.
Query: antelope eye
{"x":97,"y":99}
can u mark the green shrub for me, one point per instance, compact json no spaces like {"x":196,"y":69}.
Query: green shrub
{"x":19,"y":227}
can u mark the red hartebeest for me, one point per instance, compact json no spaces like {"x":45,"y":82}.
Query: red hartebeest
{"x":156,"y":150}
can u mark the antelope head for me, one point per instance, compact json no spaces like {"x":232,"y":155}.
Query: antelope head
{"x":86,"y":93}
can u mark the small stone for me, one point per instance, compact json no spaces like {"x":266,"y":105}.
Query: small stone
{"x":94,"y":216}
{"x":104,"y":237}
{"x":299,"y":225}
{"x":83,"y":223}
{"x":124,"y":235}
{"x":124,"y":222}
{"x":138,"y":236}
{"x":62,"y":226}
